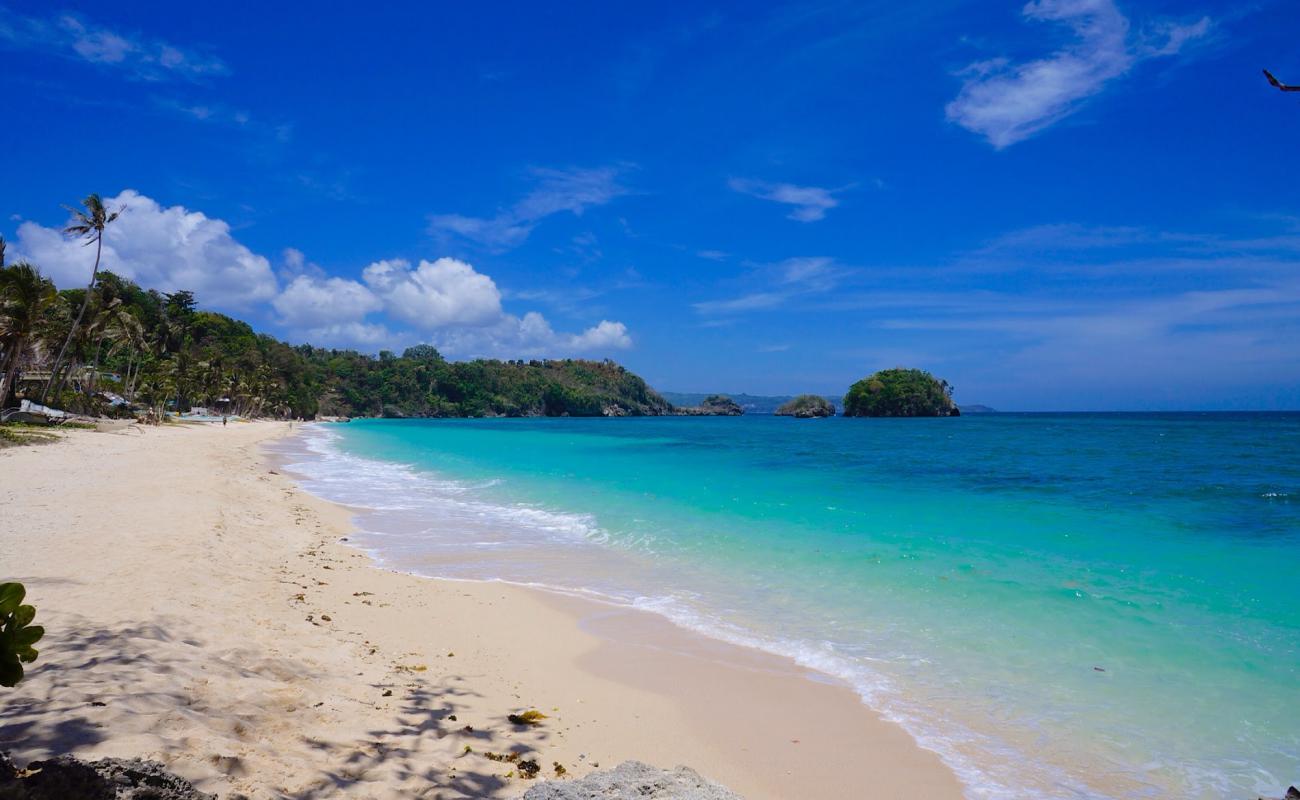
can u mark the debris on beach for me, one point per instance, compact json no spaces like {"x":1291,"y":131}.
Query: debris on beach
{"x":532,"y":717}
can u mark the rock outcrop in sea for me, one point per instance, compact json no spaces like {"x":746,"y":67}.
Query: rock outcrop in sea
{"x":807,"y":406}
{"x":65,"y":778}
{"x":633,"y":780}
{"x":715,"y":405}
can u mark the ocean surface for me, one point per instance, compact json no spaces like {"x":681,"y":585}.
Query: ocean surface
{"x":1063,"y":606}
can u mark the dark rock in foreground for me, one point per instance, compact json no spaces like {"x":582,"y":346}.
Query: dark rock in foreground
{"x":715,"y":405}
{"x":633,"y":780}
{"x":807,"y":406}
{"x":1291,"y":794}
{"x":66,"y":778}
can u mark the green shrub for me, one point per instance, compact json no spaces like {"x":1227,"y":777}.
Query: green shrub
{"x":17,"y":633}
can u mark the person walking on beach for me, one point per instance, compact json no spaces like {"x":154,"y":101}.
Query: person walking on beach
{"x":223,"y":420}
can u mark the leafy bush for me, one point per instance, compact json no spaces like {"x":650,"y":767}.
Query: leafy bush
{"x":900,"y":393}
{"x":17,"y":634}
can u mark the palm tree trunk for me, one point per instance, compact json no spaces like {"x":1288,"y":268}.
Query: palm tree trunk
{"x":10,"y":371}
{"x":126,"y":382}
{"x":94,"y":367}
{"x":72,"y":332}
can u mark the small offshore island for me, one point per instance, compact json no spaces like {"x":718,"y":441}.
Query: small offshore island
{"x":900,"y":393}
{"x":807,"y":406}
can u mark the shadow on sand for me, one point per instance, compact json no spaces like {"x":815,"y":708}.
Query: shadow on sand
{"x":89,"y":676}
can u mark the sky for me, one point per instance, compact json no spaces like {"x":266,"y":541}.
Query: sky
{"x":1059,"y":205}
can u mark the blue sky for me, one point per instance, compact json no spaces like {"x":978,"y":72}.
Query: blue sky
{"x":1070,"y":204}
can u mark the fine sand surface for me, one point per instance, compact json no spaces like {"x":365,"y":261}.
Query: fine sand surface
{"x":201,"y":611}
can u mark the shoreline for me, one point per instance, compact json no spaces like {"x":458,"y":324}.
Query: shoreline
{"x":296,"y":703}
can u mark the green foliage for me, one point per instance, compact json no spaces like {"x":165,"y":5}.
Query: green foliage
{"x":900,"y":393}
{"x":17,"y":633}
{"x":13,"y":434}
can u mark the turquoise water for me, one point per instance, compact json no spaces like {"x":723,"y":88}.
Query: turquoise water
{"x":1060,"y":605}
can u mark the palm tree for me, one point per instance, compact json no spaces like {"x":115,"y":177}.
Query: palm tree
{"x":24,"y":296}
{"x":88,"y":223}
{"x":126,"y":331}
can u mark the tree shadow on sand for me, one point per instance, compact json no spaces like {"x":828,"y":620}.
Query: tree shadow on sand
{"x":75,"y":696}
{"x":399,"y":755}
{"x":53,"y":710}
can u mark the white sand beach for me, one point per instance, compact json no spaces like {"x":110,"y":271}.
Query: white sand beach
{"x":204,"y":612}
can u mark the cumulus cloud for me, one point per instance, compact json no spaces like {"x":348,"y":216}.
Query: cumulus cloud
{"x":446,"y":303}
{"x":435,"y":294}
{"x":1007,"y":102}
{"x":528,"y":336}
{"x":810,"y":202}
{"x":165,"y":248}
{"x":72,"y":36}
{"x":460,"y":310}
{"x":311,"y":302}
{"x":557,"y":191}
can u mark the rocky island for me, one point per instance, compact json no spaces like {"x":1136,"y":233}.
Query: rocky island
{"x":715,"y":405}
{"x":900,"y":392}
{"x":807,"y":406}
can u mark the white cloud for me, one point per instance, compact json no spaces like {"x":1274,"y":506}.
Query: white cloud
{"x":605,"y":335}
{"x":72,"y":36}
{"x":557,"y":191}
{"x":435,"y":294}
{"x":810,"y":202}
{"x":368,"y":337}
{"x":311,"y":302}
{"x":446,"y":302}
{"x":1007,"y":103}
{"x":164,"y":248}
{"x":529,"y":336}
{"x":459,"y":309}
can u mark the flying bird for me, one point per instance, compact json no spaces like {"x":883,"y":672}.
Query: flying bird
{"x":1279,"y":85}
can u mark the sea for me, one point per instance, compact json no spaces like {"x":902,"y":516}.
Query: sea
{"x":1059,"y":605}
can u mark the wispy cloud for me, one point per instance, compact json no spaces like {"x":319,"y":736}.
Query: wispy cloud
{"x":810,"y":202}
{"x":73,"y":36}
{"x":557,"y":191}
{"x":775,"y":285}
{"x":1007,"y":102}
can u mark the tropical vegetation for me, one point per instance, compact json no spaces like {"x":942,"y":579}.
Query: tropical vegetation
{"x":900,"y":392}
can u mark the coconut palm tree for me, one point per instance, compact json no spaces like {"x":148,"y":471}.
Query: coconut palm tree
{"x":88,"y":222}
{"x":126,"y":331}
{"x":24,"y":296}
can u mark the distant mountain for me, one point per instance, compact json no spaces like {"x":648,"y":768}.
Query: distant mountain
{"x":975,"y":408}
{"x":752,"y":403}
